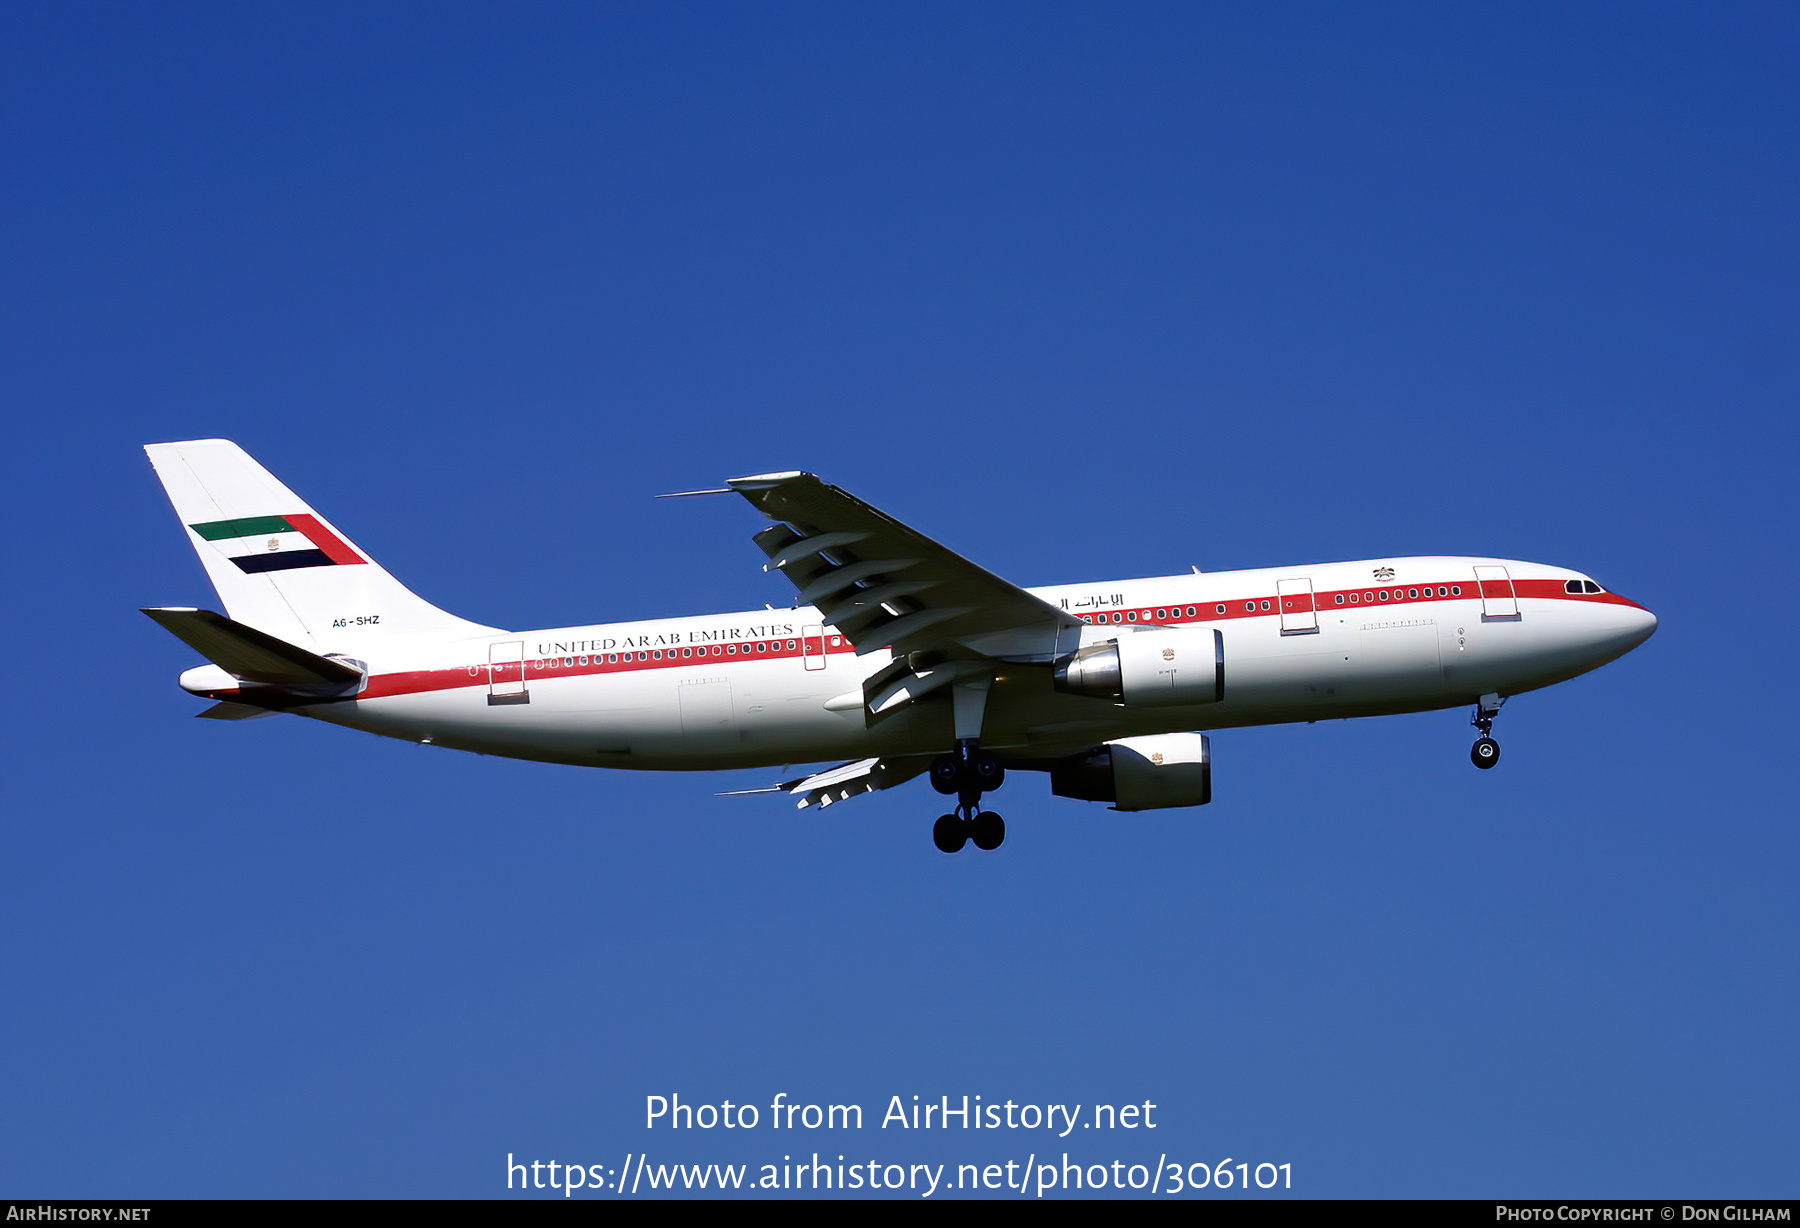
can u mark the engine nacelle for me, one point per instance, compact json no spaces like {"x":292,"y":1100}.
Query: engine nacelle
{"x":1159,"y":667}
{"x":1154,"y":772}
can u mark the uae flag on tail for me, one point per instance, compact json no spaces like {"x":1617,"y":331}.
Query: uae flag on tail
{"x":277,"y":543}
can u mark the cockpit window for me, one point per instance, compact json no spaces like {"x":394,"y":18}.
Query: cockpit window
{"x":1592,"y":587}
{"x":1571,"y":586}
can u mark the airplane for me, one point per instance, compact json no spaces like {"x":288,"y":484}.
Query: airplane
{"x":899,"y":657}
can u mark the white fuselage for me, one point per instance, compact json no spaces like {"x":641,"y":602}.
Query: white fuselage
{"x":776,"y":687}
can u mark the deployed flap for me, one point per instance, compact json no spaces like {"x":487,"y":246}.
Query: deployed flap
{"x":252,"y":655}
{"x":846,"y":780}
{"x":884,"y":585}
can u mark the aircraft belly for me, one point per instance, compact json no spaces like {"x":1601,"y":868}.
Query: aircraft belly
{"x":1395,"y":658}
{"x":465,"y":720}
{"x":686,"y":719}
{"x":1266,"y":671}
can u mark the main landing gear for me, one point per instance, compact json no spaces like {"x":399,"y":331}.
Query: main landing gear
{"x":968,"y":774}
{"x":1486,"y":752}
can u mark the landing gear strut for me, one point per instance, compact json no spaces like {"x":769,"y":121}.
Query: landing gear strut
{"x":968,"y":774}
{"x":1486,"y":752}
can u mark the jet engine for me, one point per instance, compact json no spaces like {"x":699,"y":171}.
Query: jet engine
{"x":1158,"y":667}
{"x":1154,"y":772}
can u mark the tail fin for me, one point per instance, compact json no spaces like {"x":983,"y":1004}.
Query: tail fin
{"x":278,"y":565}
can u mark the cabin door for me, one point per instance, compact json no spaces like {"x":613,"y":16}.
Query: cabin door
{"x":1499,"y":603}
{"x":812,"y":647}
{"x":506,"y":673}
{"x":1299,"y":616}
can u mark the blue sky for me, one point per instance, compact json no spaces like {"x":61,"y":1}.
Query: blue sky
{"x":1084,"y":293}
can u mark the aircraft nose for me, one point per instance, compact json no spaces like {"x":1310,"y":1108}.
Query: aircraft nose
{"x":1628,"y":627}
{"x":1610,"y":629}
{"x":1641,"y":624}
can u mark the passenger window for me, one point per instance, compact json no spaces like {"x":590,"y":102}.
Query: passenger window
{"x":1221,"y":609}
{"x":1265,"y":605}
{"x":1132,"y":616}
{"x":1118,"y":617}
{"x":1456,"y":590}
{"x":731,"y":648}
{"x":687,"y":652}
{"x":1190,"y":611}
{"x":1382,"y":594}
{"x":1161,"y":614}
{"x":1412,"y":594}
{"x":1340,"y":599}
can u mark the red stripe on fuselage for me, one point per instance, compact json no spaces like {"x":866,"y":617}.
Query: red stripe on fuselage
{"x":708,"y":656}
{"x":418,"y":682}
{"x":1327,"y":599}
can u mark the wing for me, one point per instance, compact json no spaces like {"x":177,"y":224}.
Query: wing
{"x":883,"y":585}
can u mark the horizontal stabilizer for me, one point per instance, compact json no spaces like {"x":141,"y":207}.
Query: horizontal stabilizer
{"x":225,"y":710}
{"x":252,"y":655}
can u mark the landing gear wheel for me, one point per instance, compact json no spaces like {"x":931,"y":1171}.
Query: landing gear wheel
{"x":987,"y":772}
{"x":1485,"y":753}
{"x":949,"y":833}
{"x":988,"y":831}
{"x":946,"y":774}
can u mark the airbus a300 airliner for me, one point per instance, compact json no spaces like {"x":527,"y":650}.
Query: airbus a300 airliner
{"x":899,"y":657}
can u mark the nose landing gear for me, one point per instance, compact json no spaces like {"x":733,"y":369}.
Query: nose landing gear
{"x":968,"y":774}
{"x":1486,"y":752}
